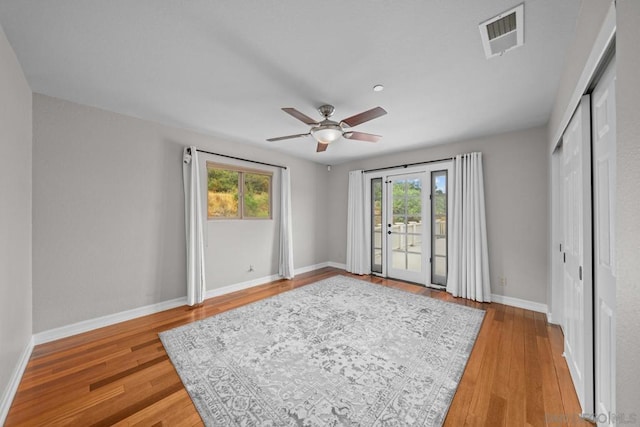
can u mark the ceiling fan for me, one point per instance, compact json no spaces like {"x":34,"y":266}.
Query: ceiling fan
{"x":327,"y":131}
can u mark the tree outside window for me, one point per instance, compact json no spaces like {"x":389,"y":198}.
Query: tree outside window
{"x":238,"y":193}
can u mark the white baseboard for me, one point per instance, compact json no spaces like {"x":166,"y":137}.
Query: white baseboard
{"x":337,"y":265}
{"x":240,"y":286}
{"x":261,"y":280}
{"x":108,"y":320}
{"x":551,"y":320}
{"x":520,"y":303}
{"x":14,"y":382}
{"x":312,"y":267}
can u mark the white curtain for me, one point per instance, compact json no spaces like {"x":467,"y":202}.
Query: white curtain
{"x":469,"y":266}
{"x":357,"y":254}
{"x":285,"y":262}
{"x":193,"y":195}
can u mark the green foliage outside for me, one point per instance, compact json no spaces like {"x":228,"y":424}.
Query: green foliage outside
{"x":413,"y":210}
{"x":412,"y":190}
{"x":440,"y":204}
{"x":223,"y":195}
{"x":222,"y":200}
{"x":256,"y":195}
{"x":377,"y":201}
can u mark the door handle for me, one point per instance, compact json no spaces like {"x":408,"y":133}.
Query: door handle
{"x":389,"y":232}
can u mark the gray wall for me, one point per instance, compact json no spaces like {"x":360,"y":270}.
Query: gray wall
{"x":108,"y":223}
{"x":15,"y":213}
{"x":516,"y":179}
{"x":628,"y":207}
{"x":232,"y":246}
{"x":590,"y":20}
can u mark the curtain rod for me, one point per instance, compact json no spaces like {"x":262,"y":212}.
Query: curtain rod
{"x":240,"y":158}
{"x":408,"y":164}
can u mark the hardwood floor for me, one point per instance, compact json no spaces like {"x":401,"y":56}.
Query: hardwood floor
{"x":121,"y":374}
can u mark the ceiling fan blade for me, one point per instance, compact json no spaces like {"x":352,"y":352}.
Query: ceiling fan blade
{"x":374,"y":113}
{"x":280,"y":138}
{"x":300,"y":116}
{"x":321,"y":147}
{"x":361,"y":136}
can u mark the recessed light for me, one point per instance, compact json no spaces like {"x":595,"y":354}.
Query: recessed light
{"x":378,"y":88}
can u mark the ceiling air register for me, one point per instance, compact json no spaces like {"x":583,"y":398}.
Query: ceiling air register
{"x":504,"y":32}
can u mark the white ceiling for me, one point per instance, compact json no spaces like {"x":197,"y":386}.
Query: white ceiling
{"x":226,"y":67}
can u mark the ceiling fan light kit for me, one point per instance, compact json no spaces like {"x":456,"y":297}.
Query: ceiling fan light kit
{"x":327,"y":134}
{"x":327,"y":131}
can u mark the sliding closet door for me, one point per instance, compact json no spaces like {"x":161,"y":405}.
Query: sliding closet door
{"x":578,"y":290}
{"x":604,"y":186}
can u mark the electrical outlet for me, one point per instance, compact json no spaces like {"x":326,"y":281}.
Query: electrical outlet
{"x":503,"y":281}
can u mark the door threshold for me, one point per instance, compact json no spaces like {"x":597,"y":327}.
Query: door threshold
{"x":430,"y":286}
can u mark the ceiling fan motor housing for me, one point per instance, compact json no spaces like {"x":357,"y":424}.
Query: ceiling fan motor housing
{"x":326,"y":110}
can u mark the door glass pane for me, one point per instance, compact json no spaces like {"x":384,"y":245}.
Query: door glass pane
{"x":399,"y":197}
{"x":399,"y":260}
{"x":414,"y":261}
{"x":399,"y":220}
{"x":414,"y":236}
{"x":376,"y":225}
{"x":439,"y":227}
{"x":405,"y":239}
{"x":414,"y":209}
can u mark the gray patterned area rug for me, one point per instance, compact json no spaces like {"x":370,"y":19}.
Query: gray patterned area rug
{"x":339,"y":352}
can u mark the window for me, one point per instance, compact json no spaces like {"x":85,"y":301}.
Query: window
{"x":376,"y":225}
{"x":439,"y":240}
{"x":238,"y":193}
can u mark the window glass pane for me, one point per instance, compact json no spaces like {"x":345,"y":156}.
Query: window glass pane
{"x":439,"y":227}
{"x":222,"y":199}
{"x":256,"y":195}
{"x":377,"y":257}
{"x":440,"y":266}
{"x":376,"y":225}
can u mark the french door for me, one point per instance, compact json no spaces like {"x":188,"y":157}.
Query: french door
{"x":408,"y":224}
{"x":406,"y":228}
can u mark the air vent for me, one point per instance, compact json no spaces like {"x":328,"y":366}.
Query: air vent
{"x":503,"y":32}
